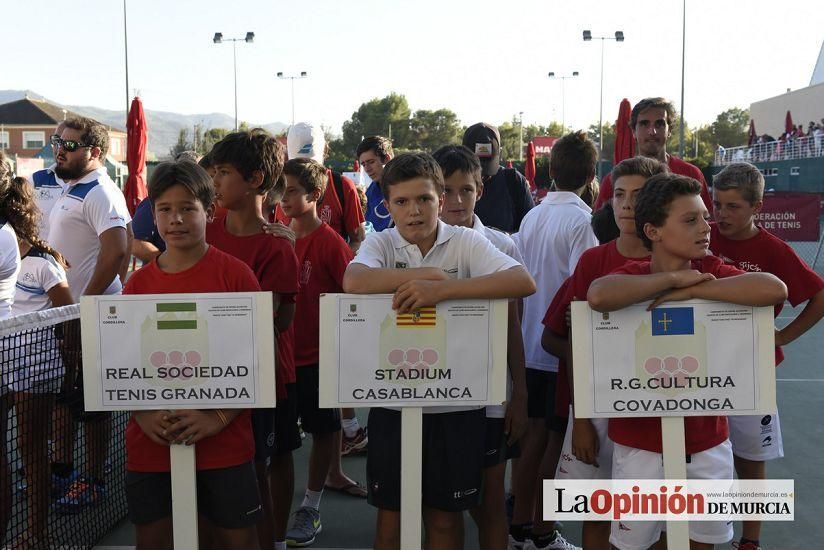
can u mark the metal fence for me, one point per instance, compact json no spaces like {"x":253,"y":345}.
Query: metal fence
{"x":798,"y":148}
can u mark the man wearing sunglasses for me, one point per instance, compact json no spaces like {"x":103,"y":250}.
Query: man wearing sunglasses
{"x":47,"y":187}
{"x":88,"y":225}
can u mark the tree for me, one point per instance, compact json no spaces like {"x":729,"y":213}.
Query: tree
{"x":183,"y":143}
{"x":388,"y":116}
{"x":731,"y":127}
{"x":608,"y":151}
{"x":210,"y":137}
{"x":433,"y":129}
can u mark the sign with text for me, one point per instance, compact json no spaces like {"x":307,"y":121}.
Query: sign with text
{"x":691,"y":358}
{"x":182,"y":351}
{"x":452,"y":354}
{"x":791,"y":216}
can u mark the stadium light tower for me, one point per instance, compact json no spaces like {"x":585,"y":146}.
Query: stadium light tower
{"x":302,"y":74}
{"x":618,"y":37}
{"x":219,"y":39}
{"x":563,"y":98}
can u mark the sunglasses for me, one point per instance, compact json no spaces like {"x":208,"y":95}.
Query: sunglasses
{"x":68,"y":145}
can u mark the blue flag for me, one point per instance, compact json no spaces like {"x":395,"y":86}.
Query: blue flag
{"x":670,"y":321}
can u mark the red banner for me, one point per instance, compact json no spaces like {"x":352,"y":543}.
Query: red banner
{"x":543,"y":145}
{"x":791,"y":216}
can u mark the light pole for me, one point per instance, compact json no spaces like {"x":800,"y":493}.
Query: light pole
{"x":683,"y":57}
{"x":292,"y":77}
{"x":563,"y":94}
{"x":521,"y":136}
{"x":218,"y":39}
{"x":619,"y":37}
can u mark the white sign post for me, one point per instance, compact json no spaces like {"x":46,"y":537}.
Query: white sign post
{"x":692,"y":358}
{"x":182,"y":351}
{"x":450,"y":355}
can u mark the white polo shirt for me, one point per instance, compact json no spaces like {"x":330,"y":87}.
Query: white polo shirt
{"x":47,"y":190}
{"x":85,"y":210}
{"x":39,"y":273}
{"x":459,"y":251}
{"x":9,"y":267}
{"x":552,"y":237}
{"x":505,"y":244}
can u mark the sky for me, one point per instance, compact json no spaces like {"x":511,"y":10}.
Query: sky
{"x":484,"y":59}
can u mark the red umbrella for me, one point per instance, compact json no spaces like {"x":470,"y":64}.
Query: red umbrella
{"x":788,"y":124}
{"x":357,"y":166}
{"x":624,"y":140}
{"x":752,"y":136}
{"x":135,"y":188}
{"x":529,"y":165}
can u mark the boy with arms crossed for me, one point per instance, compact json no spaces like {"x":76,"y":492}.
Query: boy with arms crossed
{"x":323,"y":256}
{"x":415,"y":261}
{"x":248,"y":165}
{"x":671,"y":220}
{"x":228,"y":502}
{"x":587,"y":451}
{"x":504,"y":423}
{"x":738,"y":192}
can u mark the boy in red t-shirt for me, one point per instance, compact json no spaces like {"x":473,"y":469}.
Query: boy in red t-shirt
{"x":738,"y":192}
{"x":671,"y":220}
{"x":247,"y":166}
{"x":323,"y":256}
{"x":587,"y":451}
{"x":228,"y":503}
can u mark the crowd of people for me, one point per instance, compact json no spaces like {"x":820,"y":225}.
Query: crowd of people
{"x":792,"y":144}
{"x":428,"y":228}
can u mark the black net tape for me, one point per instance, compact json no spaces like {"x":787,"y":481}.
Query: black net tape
{"x":62,"y":476}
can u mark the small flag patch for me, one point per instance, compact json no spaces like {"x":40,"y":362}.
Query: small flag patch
{"x":672,"y":321}
{"x":424,"y":317}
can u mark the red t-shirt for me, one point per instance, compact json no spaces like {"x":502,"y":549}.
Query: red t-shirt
{"x":594,"y":263}
{"x":215,"y":272}
{"x":766,"y":252}
{"x":275,"y":265}
{"x":701,"y":432}
{"x":323,"y":256}
{"x":329,"y":208}
{"x":676,"y":166}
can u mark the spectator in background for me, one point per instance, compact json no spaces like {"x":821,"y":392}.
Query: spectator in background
{"x":507,"y":197}
{"x":339,"y":206}
{"x":373,"y":153}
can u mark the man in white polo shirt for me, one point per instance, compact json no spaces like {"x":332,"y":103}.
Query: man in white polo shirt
{"x":88,"y":225}
{"x":47,"y":186}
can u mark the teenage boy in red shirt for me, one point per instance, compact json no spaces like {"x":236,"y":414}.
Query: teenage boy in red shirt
{"x":228,"y":503}
{"x":247,"y":166}
{"x":672,"y":221}
{"x":738,"y":195}
{"x":587,"y":451}
{"x":323,"y":256}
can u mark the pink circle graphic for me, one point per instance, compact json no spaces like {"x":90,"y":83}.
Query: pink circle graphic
{"x":175,"y":358}
{"x":157,"y":359}
{"x":395,"y":357}
{"x":429,"y":356}
{"x":193,"y":358}
{"x":413,"y":356}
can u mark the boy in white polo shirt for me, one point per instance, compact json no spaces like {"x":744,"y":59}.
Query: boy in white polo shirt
{"x":424,"y":261}
{"x":552,"y":238}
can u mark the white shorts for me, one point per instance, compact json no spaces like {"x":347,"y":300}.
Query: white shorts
{"x":756,"y":437}
{"x":631,"y":463}
{"x":570,"y":467}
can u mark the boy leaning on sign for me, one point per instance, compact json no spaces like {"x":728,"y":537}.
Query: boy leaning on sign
{"x":738,"y":193}
{"x":423,"y":262}
{"x":671,"y":220}
{"x":587,"y":451}
{"x":181,"y":194}
{"x":505,"y":424}
{"x":247,"y":166}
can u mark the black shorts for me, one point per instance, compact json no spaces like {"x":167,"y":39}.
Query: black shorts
{"x":497,"y":451}
{"x":313,"y":419}
{"x":453,"y":453}
{"x":71,"y":396}
{"x":228,"y":497}
{"x":287,"y":434}
{"x":540,"y":393}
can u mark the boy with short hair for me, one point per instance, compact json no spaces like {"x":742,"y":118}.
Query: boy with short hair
{"x":228,"y":501}
{"x":373,"y":153}
{"x":672,"y":221}
{"x":322,"y":256}
{"x":587,"y":451}
{"x":247,"y":165}
{"x":504,"y":423}
{"x":738,"y":192}
{"x":416,"y":261}
{"x":553,"y":236}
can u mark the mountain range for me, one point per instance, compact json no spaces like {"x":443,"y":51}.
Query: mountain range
{"x":164,"y":127}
